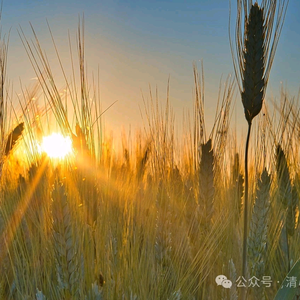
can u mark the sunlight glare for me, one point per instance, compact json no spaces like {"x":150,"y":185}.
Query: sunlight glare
{"x":56,"y":145}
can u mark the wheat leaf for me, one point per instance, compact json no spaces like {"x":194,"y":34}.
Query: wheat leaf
{"x":285,"y":291}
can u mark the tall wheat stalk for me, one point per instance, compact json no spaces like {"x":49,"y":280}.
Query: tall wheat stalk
{"x":255,"y":49}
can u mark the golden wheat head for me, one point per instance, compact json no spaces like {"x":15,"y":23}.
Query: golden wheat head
{"x":13,"y":137}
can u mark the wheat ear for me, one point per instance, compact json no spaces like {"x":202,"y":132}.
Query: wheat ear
{"x":142,"y":162}
{"x":292,"y":212}
{"x":237,"y":187}
{"x":65,"y":245}
{"x":258,"y":224}
{"x":233,"y":295}
{"x":257,"y":241}
{"x":288,"y":195}
{"x":283,"y":177}
{"x":79,"y":141}
{"x":253,"y":75}
{"x":13,"y":138}
{"x":206,"y":181}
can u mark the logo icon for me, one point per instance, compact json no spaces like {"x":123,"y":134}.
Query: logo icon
{"x":222,"y":280}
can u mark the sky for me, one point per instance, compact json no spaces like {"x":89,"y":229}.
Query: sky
{"x":140,"y":44}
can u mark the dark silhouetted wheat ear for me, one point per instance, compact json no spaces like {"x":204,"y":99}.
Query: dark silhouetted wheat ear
{"x":254,"y":68}
{"x":142,"y":161}
{"x":283,"y":177}
{"x":237,"y":187}
{"x":13,"y":138}
{"x":206,"y":181}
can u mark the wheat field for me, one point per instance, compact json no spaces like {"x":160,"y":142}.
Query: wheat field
{"x":161,"y":216}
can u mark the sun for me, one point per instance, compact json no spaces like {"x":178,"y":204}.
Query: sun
{"x":56,"y":145}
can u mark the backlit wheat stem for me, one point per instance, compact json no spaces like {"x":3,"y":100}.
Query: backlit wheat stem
{"x":244,"y":266}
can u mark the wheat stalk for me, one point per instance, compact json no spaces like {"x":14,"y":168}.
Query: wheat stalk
{"x":255,"y":48}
